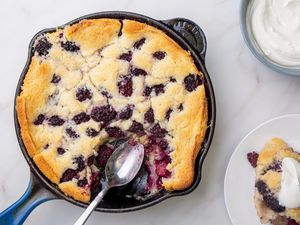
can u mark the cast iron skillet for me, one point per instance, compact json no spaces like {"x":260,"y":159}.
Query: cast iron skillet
{"x":191,"y":37}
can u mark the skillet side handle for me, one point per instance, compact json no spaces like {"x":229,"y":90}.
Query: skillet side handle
{"x":191,"y":32}
{"x":34,"y":195}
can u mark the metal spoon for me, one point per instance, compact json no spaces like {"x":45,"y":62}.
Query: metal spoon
{"x":121,"y":168}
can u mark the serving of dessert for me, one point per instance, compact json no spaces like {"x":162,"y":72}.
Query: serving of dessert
{"x":277,"y":185}
{"x":95,"y":83}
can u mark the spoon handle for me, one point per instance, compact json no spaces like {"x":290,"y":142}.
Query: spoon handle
{"x":86,"y":214}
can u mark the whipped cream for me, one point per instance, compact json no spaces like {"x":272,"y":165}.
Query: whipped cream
{"x":289,"y":194}
{"x":275,"y":25}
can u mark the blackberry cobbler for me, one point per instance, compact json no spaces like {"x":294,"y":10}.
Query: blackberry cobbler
{"x":277,"y":183}
{"x":100,"y":81}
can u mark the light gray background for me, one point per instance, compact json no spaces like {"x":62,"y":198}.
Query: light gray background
{"x":247,"y":94}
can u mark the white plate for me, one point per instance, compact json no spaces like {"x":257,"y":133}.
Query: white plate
{"x":240,"y":176}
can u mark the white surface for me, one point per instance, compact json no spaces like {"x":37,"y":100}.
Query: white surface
{"x":247,"y":94}
{"x":240,"y":176}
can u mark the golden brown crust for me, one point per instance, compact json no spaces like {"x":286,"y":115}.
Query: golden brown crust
{"x":271,"y":148}
{"x":22,"y":118}
{"x":46,"y":168}
{"x":34,"y":96}
{"x":70,"y":189}
{"x":183,"y":162}
{"x":93,"y":35}
{"x":92,"y":60}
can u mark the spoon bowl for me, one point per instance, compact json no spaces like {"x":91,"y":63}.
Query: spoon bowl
{"x":124,"y":163}
{"x":121,"y":167}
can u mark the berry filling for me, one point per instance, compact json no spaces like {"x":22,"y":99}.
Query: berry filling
{"x":68,"y":175}
{"x":90,"y":160}
{"x":168,"y":113}
{"x":61,"y":151}
{"x":114,"y":132}
{"x":126,"y":112}
{"x":137,"y":72}
{"x":147,"y":91}
{"x":121,"y":28}
{"x":192,"y":81}
{"x":252,"y":158}
{"x":55,"y":79}
{"x":39,"y":120}
{"x":156,"y":163}
{"x":268,"y":198}
{"x":158,"y":131}
{"x":82,"y":183}
{"x":159,"y":55}
{"x":83,"y":94}
{"x":172,"y":79}
{"x":42,"y":47}
{"x":95,"y":185}
{"x":80,"y":163}
{"x":180,"y":107}
{"x":161,"y":168}
{"x":104,"y":152}
{"x":125,"y":86}
{"x":103,"y":114}
{"x":159,"y":89}
{"x":81,"y":118}
{"x":275,"y":166}
{"x":72,"y":133}
{"x":137,"y":128}
{"x":292,"y":222}
{"x":69,"y":46}
{"x":148,"y":181}
{"x":91,"y":132}
{"x":149,"y":116}
{"x":126,"y":56}
{"x":106,"y":94}
{"x":55,"y":121}
{"x":138,"y":44}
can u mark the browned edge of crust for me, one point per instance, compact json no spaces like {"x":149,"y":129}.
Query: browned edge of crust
{"x":23,"y":122}
{"x":187,"y":171}
{"x":71,"y":190}
{"x":46,"y":168}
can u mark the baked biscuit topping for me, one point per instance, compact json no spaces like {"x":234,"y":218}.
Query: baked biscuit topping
{"x":100,"y":81}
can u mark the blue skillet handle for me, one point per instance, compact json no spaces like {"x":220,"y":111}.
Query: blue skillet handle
{"x":34,"y":195}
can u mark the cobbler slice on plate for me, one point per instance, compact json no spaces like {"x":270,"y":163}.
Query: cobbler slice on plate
{"x":97,"y":82}
{"x":277,"y":183}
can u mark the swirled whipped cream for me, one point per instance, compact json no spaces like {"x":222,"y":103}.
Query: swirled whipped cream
{"x":289,"y":194}
{"x":275,"y":25}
